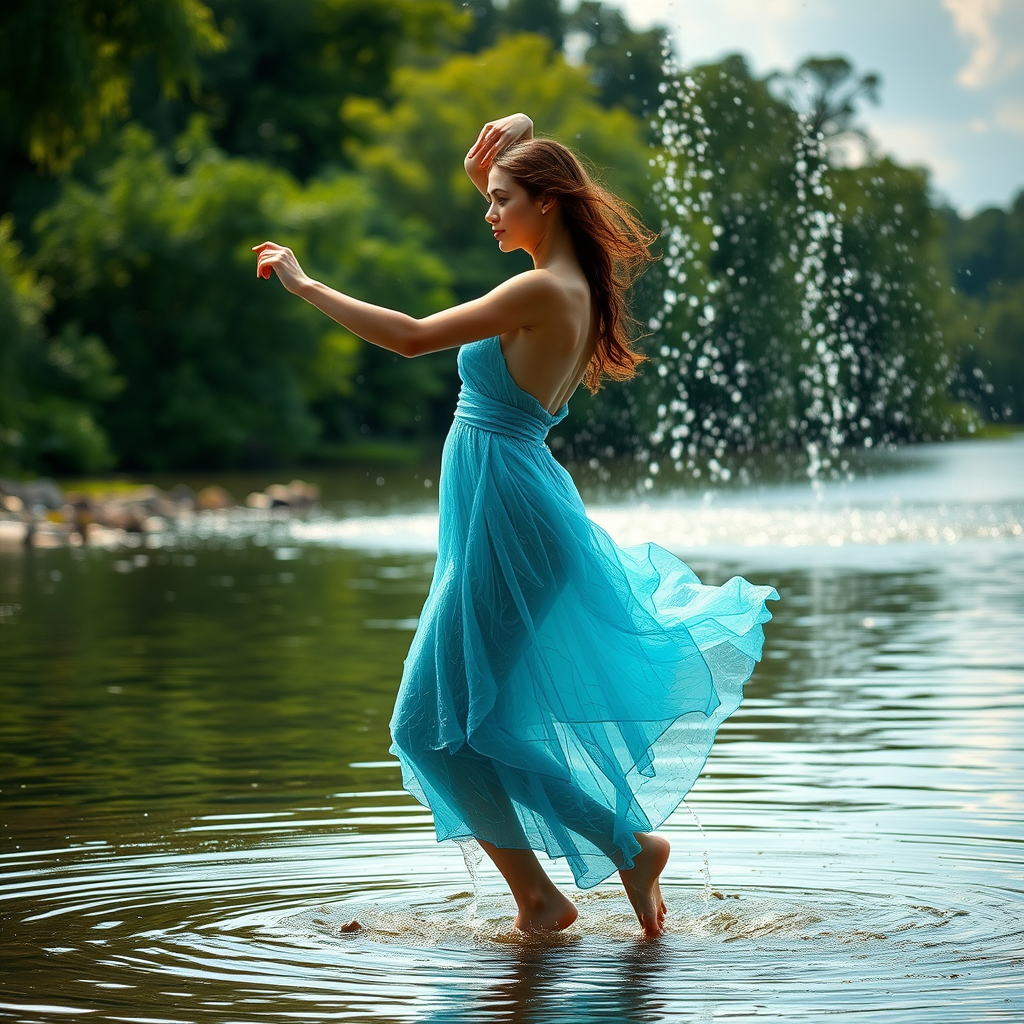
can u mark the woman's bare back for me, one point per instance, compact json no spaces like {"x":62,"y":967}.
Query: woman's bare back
{"x":549,"y":359}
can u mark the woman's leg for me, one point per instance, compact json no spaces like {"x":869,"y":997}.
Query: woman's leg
{"x":544,"y":908}
{"x":542,"y":905}
{"x":642,"y":883}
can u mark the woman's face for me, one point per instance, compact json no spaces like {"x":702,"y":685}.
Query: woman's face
{"x":516,"y":220}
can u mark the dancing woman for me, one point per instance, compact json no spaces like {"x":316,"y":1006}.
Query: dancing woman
{"x":561,"y":694}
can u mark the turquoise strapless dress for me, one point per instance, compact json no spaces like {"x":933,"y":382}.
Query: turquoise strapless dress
{"x":561,"y":692}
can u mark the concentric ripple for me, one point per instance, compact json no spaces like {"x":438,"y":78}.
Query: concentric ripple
{"x":256,"y":934}
{"x":196,"y":796}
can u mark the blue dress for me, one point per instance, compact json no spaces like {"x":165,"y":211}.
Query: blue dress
{"x":560,"y":692}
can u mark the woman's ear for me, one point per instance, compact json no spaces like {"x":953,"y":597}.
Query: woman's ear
{"x":547,"y":205}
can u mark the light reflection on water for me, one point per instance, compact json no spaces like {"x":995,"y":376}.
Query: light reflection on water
{"x":196,"y":790}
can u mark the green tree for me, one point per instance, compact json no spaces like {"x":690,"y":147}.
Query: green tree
{"x":66,"y":67}
{"x":798,"y":298}
{"x":48,"y":385}
{"x":414,"y":147}
{"x":887,"y":300}
{"x":827,"y":91}
{"x":625,"y":65}
{"x":985,"y":258}
{"x":276,"y":91}
{"x":413,"y":151}
{"x":491,"y":20}
{"x":221,"y":369}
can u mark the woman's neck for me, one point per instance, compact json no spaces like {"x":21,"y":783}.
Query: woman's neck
{"x":554,"y":247}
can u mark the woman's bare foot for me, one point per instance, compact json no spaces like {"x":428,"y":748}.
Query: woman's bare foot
{"x":542,"y":906}
{"x":551,"y":912}
{"x":642,"y":886}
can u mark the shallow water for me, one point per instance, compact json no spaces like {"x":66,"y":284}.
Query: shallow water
{"x":196,"y":792}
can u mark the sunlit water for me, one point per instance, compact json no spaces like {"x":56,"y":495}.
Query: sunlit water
{"x":196,"y":790}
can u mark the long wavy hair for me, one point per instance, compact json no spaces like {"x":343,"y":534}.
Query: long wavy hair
{"x":611,"y":243}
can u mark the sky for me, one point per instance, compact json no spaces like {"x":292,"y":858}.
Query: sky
{"x":952,"y":71}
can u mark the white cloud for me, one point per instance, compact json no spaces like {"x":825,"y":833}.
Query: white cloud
{"x":933,"y":143}
{"x":953,"y":72}
{"x":993,"y":34}
{"x":1010,"y":116}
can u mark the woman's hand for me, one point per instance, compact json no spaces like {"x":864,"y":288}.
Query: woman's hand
{"x":279,"y":259}
{"x":493,"y":138}
{"x":498,"y":135}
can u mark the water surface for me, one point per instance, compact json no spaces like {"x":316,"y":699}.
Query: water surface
{"x":196,"y":791}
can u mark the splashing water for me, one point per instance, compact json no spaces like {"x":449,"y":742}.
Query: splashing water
{"x":794,"y":314}
{"x":473,"y":856}
{"x":707,"y":890}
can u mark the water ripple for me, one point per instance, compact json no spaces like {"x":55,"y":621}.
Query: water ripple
{"x":257,"y":934}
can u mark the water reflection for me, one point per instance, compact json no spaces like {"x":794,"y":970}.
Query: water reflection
{"x":527,"y":984}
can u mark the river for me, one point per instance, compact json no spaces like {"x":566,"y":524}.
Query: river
{"x":196,"y":789}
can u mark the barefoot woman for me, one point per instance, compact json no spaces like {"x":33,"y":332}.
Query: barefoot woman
{"x":561,"y":694}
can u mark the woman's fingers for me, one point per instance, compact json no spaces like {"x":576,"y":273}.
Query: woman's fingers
{"x":481,"y":138}
{"x":492,"y":146}
{"x":267,"y":254}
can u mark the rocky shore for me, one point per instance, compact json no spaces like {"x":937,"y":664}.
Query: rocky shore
{"x":40,"y":514}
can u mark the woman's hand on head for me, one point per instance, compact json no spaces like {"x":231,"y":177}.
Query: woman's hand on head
{"x":496,"y":136}
{"x":279,"y":259}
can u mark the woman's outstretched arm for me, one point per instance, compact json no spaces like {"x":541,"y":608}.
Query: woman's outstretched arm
{"x":521,"y":302}
{"x":493,"y":138}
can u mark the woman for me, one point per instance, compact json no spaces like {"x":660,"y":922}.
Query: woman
{"x":560,"y":693}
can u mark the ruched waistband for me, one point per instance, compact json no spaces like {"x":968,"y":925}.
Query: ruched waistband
{"x":489,"y":414}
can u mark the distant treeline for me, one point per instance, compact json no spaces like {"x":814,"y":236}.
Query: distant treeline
{"x":145,"y":148}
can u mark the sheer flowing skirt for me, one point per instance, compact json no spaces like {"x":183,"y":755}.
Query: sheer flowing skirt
{"x":561,"y":693}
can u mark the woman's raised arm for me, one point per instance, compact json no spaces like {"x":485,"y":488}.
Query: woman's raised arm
{"x":521,"y":302}
{"x":493,"y":138}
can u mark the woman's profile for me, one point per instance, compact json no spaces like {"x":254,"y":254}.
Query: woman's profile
{"x":561,"y":693}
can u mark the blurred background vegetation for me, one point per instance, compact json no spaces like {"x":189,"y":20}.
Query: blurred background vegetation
{"x":145,"y":147}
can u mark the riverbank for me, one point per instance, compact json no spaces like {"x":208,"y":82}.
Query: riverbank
{"x":41,"y":514}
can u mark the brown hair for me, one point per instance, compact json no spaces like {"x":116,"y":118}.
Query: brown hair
{"x":611,"y":243}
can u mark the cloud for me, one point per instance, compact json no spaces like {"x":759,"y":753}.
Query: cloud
{"x":934,"y":143}
{"x":1010,"y":116}
{"x":991,"y":57}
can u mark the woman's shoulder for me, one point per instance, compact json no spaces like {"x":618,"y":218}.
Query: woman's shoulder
{"x":547,"y":292}
{"x":538,"y":284}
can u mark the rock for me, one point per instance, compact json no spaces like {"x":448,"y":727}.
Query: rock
{"x":35,"y":494}
{"x":103,"y":537}
{"x":213,"y":498}
{"x":12,"y":533}
{"x":47,"y":535}
{"x":279,"y":495}
{"x":183,"y":496}
{"x":304,"y":493}
{"x":297,"y":494}
{"x":259,"y":500}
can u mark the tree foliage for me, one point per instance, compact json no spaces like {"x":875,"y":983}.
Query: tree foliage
{"x":67,"y":66}
{"x":134,"y":334}
{"x":219,"y":370}
{"x":798,"y":299}
{"x":414,"y":147}
{"x":49,"y":385}
{"x":625,"y":65}
{"x":827,"y":91}
{"x":275,"y":91}
{"x":985,"y":258}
